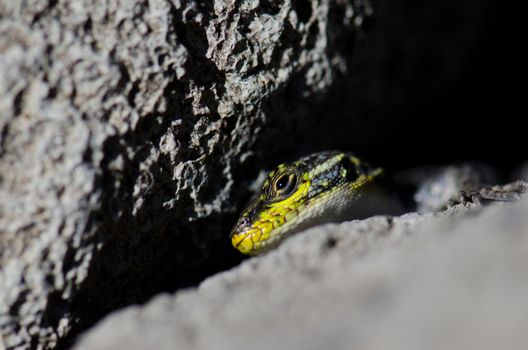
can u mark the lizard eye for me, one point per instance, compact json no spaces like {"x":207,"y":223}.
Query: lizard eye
{"x":284,"y":184}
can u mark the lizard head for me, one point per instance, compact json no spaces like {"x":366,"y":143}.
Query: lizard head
{"x":314,"y":189}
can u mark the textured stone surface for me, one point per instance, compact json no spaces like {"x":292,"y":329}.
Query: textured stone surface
{"x":124,"y":126}
{"x":454,"y":280}
{"x":130,"y":130}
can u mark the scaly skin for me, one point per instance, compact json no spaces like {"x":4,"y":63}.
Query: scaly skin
{"x":315,"y":189}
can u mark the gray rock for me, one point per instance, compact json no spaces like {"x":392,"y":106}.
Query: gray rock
{"x":454,"y":280}
{"x":124,"y":127}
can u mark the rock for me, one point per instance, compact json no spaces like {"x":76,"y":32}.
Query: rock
{"x":453,"y":280}
{"x":129,"y":132}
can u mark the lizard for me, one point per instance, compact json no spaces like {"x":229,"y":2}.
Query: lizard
{"x":332,"y":186}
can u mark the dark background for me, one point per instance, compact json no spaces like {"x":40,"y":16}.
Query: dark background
{"x":448,"y":82}
{"x":430,"y":83}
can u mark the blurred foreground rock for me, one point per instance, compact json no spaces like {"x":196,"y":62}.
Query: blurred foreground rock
{"x":453,"y":280}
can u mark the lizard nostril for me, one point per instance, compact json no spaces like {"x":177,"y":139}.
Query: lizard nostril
{"x":243,"y":222}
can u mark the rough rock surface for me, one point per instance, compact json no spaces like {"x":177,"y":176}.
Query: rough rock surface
{"x":453,"y":280}
{"x":124,"y":126}
{"x":131,"y":130}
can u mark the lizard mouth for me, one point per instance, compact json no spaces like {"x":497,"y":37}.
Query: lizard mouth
{"x":247,"y":241}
